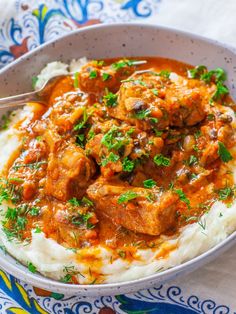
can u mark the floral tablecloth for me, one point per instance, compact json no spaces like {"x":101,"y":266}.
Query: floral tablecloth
{"x":26,"y":24}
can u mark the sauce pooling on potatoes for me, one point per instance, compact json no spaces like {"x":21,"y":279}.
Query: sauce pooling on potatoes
{"x":120,"y":157}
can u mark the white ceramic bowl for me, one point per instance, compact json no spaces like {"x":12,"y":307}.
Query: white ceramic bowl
{"x":116,"y":40}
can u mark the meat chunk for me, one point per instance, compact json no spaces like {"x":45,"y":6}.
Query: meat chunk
{"x":149,"y":101}
{"x":95,"y":76}
{"x":139,"y":214}
{"x":69,"y":172}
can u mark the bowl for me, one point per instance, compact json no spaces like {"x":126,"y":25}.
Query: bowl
{"x":106,"y":41}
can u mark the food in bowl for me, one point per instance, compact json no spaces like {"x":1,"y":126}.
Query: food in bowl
{"x":126,"y":170}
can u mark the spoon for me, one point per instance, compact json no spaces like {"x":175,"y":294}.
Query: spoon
{"x":40,"y":94}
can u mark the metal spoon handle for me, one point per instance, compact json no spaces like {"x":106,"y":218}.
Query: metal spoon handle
{"x":19,"y":100}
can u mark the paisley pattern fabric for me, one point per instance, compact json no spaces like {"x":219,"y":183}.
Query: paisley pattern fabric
{"x":20,"y":298}
{"x":27,"y":24}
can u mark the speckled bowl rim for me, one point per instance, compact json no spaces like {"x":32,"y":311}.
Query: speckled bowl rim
{"x":132,"y":285}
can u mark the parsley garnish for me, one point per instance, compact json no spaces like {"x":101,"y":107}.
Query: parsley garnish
{"x":76,"y":80}
{"x":225,"y":193}
{"x":223,"y":152}
{"x":221,"y":90}
{"x":32,"y":268}
{"x":74,"y":202}
{"x":182,"y":197}
{"x":32,"y":166}
{"x":34,"y":211}
{"x":149,"y":183}
{"x":82,"y":219}
{"x":5,"y":122}
{"x":91,"y":134}
{"x":197,"y":71}
{"x":164,"y":73}
{"x":122,"y":64}
{"x":128,"y":165}
{"x":84,"y":202}
{"x":110,"y":99}
{"x":67,"y":278}
{"x":192,"y":160}
{"x":210,"y":117}
{"x":82,"y":124}
{"x":161,"y":160}
{"x":111,"y":158}
{"x":105,"y":76}
{"x":93,"y":74}
{"x":122,"y":254}
{"x":127,"y":196}
{"x":142,"y":114}
{"x":34,"y":81}
{"x":37,"y":229}
{"x":218,"y":75}
{"x":197,"y":134}
{"x":114,"y":139}
{"x":154,"y":91}
{"x":99,"y":63}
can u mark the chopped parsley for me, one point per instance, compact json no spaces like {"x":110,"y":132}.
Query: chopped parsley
{"x":197,"y":71}
{"x":91,"y":134}
{"x":111,"y":158}
{"x":154,"y":91}
{"x":192,"y":160}
{"x":32,"y":268}
{"x":128,"y":165}
{"x":87,"y":201}
{"x":114,"y":139}
{"x":161,"y":160}
{"x":122,"y":64}
{"x":142,"y":114}
{"x":5,"y":122}
{"x":34,"y":81}
{"x":225,"y":193}
{"x":82,"y":219}
{"x":223,"y":152}
{"x":99,"y":63}
{"x":14,"y":223}
{"x":127,"y":196}
{"x":122,"y":254}
{"x":221,"y":91}
{"x":105,"y":76}
{"x":34,"y":211}
{"x":76,"y":80}
{"x":182,"y":197}
{"x":149,"y":183}
{"x":164,"y":73}
{"x":80,"y":140}
{"x":32,"y":166}
{"x":218,"y":75}
{"x":4,"y":194}
{"x":210,"y":117}
{"x":67,"y":278}
{"x":37,"y":229}
{"x":21,"y":222}
{"x":136,"y":82}
{"x":83,"y":202}
{"x":157,"y":132}
{"x":110,"y":100}
{"x":197,"y":134}
{"x":93,"y":74}
{"x":74,"y":202}
{"x":82,"y":124}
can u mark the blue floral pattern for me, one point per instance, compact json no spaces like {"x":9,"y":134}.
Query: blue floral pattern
{"x":34,"y":23}
{"x":16,"y":296}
